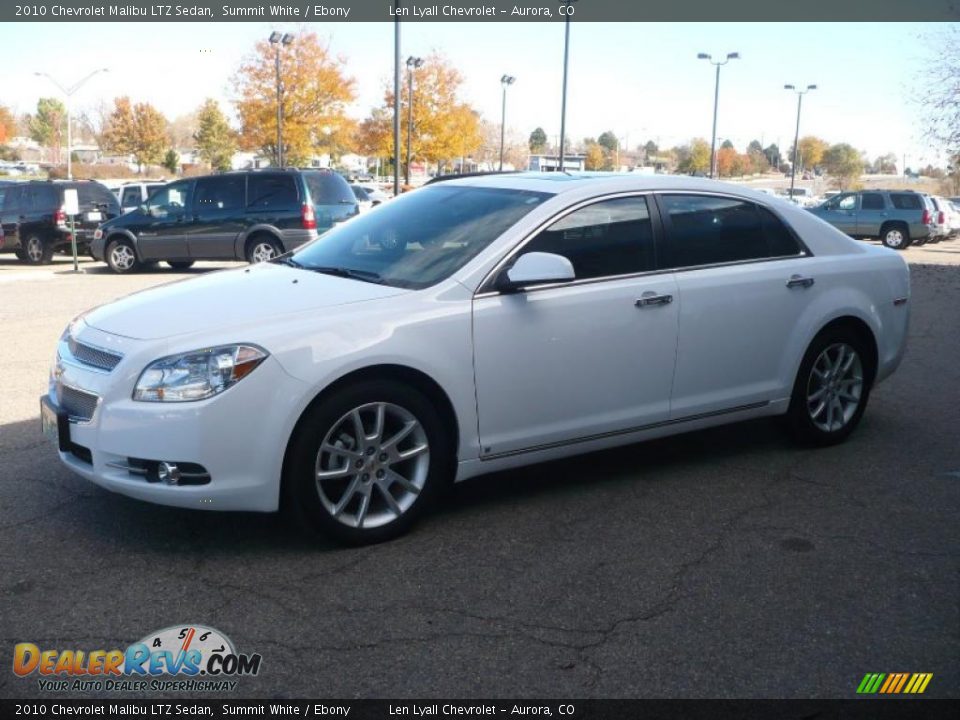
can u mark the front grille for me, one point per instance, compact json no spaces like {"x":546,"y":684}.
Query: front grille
{"x":89,"y":355}
{"x":78,"y":404}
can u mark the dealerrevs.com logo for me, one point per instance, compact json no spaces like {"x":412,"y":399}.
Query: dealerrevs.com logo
{"x":177,"y":658}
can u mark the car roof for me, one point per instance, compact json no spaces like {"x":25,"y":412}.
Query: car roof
{"x":557,"y":183}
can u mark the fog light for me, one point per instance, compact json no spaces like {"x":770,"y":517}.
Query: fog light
{"x":168,"y":473}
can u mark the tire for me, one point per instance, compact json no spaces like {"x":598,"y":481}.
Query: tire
{"x":832,"y":388}
{"x":351,"y":505}
{"x":180,"y":264}
{"x":35,"y":251}
{"x":896,"y":237}
{"x":121,"y":256}
{"x":261,"y":248}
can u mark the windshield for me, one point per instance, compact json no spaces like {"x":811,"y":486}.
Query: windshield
{"x":422,"y":237}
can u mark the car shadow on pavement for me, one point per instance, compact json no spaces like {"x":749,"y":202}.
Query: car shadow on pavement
{"x":36,"y":489}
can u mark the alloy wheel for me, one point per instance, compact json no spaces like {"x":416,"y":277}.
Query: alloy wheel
{"x":835,"y":387}
{"x":372,"y":465}
{"x":122,"y":257}
{"x":35,"y":249}
{"x":894,"y":238}
{"x":263,"y":252}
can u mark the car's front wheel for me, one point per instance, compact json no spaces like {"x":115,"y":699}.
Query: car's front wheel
{"x":366,"y":461}
{"x":831,"y":389}
{"x":121,"y":256}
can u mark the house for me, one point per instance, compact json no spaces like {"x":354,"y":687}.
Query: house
{"x":551,"y":163}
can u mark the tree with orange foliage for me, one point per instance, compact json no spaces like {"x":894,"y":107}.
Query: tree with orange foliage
{"x":443,"y":127}
{"x":139,"y":130}
{"x":8,"y":124}
{"x":726,"y":160}
{"x":316,"y":92}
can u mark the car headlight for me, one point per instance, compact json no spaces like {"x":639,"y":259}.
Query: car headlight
{"x":197,"y":375}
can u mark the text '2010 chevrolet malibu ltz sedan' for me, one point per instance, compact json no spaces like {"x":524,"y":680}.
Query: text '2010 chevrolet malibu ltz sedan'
{"x":475,"y":325}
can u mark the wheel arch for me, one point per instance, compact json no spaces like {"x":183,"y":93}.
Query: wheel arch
{"x":405,"y":374}
{"x":121,"y":233}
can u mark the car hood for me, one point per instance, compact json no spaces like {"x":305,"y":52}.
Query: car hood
{"x":219,"y":300}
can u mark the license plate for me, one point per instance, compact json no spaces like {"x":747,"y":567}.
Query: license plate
{"x":54,"y":424}
{"x":48,"y":420}
{"x":94,"y":216}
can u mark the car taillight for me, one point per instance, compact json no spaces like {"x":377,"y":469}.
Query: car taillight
{"x":925,"y":220}
{"x":60,"y":217}
{"x":308,"y":217}
{"x":942,"y":218}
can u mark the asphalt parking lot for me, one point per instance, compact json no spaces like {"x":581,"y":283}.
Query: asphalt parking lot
{"x":724,"y":563}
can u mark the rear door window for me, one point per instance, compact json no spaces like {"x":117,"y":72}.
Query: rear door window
{"x":43,"y":198}
{"x":871,"y":201}
{"x":905,"y":201}
{"x":131,"y":197}
{"x":271,"y":192}
{"x":708,"y":230}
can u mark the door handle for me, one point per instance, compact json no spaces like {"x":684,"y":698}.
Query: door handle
{"x":799,"y":281}
{"x":651,"y":298}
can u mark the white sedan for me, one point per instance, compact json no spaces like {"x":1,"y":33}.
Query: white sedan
{"x":476,"y":325}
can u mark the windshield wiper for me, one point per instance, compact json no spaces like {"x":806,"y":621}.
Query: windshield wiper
{"x":353,"y":274}
{"x":287,"y":260}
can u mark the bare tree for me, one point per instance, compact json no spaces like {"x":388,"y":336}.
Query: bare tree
{"x":941,"y":101}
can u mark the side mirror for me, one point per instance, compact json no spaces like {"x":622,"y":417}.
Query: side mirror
{"x":536,"y":268}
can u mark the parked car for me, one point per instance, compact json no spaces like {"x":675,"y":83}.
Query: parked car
{"x":35,"y":222}
{"x":133,"y":195}
{"x":953,"y":217}
{"x":941,"y":217}
{"x":475,"y":325}
{"x":897,"y":217}
{"x":254,"y":215}
{"x":375,"y":194}
{"x":363,"y":199}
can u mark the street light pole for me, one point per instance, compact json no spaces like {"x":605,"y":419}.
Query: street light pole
{"x":796,"y":136}
{"x":506,"y":81}
{"x":68,"y":92}
{"x":396,"y":101}
{"x":566,"y":63}
{"x":716,"y":100}
{"x":412,"y":62}
{"x":277,"y":40}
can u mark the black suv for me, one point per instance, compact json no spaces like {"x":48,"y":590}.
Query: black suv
{"x":35,"y":224}
{"x":252,"y":215}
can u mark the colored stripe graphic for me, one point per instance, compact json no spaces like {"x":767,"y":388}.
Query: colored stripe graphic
{"x":894,"y":683}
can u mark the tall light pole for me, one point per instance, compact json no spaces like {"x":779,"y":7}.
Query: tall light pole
{"x":566,"y":61}
{"x":279,"y":40}
{"x":412,"y":63}
{"x":68,"y":92}
{"x":506,"y":81}
{"x":796,"y":136}
{"x":716,"y":98}
{"x":396,"y":101}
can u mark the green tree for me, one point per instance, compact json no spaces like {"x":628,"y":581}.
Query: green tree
{"x":754,"y":146}
{"x":844,"y":163}
{"x":216,"y":141}
{"x":695,"y":157}
{"x":608,"y":141}
{"x":650,"y":149}
{"x":171,"y":161}
{"x":727,"y":145}
{"x":49,"y":125}
{"x":772,"y":153}
{"x":538,"y":140}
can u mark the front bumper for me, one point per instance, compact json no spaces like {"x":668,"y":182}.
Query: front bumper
{"x":238,"y":437}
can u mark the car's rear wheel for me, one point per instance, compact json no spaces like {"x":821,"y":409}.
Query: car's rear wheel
{"x":896,"y":237}
{"x":36,"y":251}
{"x":366,"y":462}
{"x":180,"y":264}
{"x":831,"y":389}
{"x":121,"y":256}
{"x":262,"y":248}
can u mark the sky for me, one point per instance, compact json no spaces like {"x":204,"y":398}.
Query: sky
{"x":640,"y":80}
